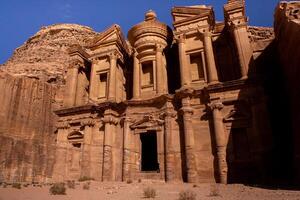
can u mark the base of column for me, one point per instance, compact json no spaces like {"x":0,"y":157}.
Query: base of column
{"x":213,"y":83}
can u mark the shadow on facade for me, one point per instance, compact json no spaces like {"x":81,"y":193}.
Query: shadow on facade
{"x":260,"y":151}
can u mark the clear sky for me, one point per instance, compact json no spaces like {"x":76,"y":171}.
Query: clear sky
{"x":20,"y":19}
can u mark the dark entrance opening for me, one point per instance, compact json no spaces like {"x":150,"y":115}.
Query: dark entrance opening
{"x":149,"y":151}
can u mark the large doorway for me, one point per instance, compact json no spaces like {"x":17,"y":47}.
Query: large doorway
{"x":149,"y":151}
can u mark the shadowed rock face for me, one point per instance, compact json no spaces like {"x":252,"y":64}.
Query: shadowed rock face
{"x":44,"y":56}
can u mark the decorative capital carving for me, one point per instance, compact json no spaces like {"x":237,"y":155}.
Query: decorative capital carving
{"x":180,"y":38}
{"x":87,"y":122}
{"x":216,"y":105}
{"x":187,"y":110}
{"x":135,"y":52}
{"x":62,"y":125}
{"x":75,"y":63}
{"x":159,"y":48}
{"x":110,"y":120}
{"x":113,"y":55}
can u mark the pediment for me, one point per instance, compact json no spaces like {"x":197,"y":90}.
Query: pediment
{"x":111,"y":35}
{"x":181,"y":14}
{"x":148,"y":122}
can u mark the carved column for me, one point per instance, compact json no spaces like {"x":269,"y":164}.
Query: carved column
{"x":221,"y":140}
{"x":110,"y":163}
{"x":136,"y":77}
{"x":159,"y":71}
{"x":112,"y":79}
{"x":243,"y":47}
{"x":81,"y":88}
{"x":212,"y":73}
{"x":170,"y":147}
{"x":187,"y":111}
{"x":71,"y":83}
{"x":86,"y":157}
{"x":184,"y":73}
{"x":126,"y":148}
{"x":107,"y":150}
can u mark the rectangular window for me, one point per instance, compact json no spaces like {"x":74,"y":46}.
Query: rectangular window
{"x":147,"y":74}
{"x":197,"y":72}
{"x":102,"y":85}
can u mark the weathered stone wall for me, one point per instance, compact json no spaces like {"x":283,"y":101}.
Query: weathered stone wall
{"x":27,"y":136}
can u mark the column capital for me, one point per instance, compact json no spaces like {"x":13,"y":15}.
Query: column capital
{"x":159,"y":48}
{"x":75,"y":63}
{"x":180,"y":38}
{"x":110,"y":120}
{"x":113,"y":55}
{"x":187,"y":110}
{"x":216,"y":105}
{"x":135,"y":52}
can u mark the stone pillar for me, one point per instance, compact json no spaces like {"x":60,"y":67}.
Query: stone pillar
{"x":107,"y":151}
{"x":71,"y":84}
{"x":187,"y":111}
{"x":212,"y":73}
{"x":112,"y":77}
{"x":221,"y":140}
{"x":126,"y":152}
{"x":184,"y":73}
{"x":243,"y":47}
{"x":136,"y":77}
{"x":86,"y":154}
{"x":110,"y":168}
{"x":60,"y":166}
{"x":159,"y":71}
{"x":170,"y":157}
{"x":81,"y":85}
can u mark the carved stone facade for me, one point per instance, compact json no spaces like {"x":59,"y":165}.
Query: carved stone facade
{"x":174,"y":105}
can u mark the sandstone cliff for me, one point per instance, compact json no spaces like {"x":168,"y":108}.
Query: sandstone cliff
{"x":27,"y":136}
{"x":31,"y":82}
{"x":44,"y":55}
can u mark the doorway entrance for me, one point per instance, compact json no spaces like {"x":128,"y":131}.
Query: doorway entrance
{"x":149,"y":151}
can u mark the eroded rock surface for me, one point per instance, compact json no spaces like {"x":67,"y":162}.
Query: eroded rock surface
{"x":44,"y":56}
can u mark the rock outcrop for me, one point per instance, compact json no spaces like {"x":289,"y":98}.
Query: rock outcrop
{"x":44,"y":56}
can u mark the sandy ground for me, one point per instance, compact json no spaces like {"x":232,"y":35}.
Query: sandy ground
{"x":134,"y":191}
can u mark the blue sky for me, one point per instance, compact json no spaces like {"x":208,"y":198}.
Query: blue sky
{"x":20,"y":19}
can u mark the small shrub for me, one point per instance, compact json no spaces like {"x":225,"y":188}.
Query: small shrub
{"x":187,"y":195}
{"x":214,"y":191}
{"x":195,"y":185}
{"x":85,"y":178}
{"x":71,"y":184}
{"x":58,"y":189}
{"x":16,"y":185}
{"x":149,"y":192}
{"x":129,"y":181}
{"x":86,"y":186}
{"x":139,"y":180}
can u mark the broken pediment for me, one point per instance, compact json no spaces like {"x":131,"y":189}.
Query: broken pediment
{"x":192,"y":14}
{"x":147,"y":123}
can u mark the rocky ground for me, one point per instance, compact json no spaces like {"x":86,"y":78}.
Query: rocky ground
{"x":134,"y":191}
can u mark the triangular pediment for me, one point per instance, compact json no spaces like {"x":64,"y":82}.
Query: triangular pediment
{"x":112,"y":35}
{"x":148,"y":122}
